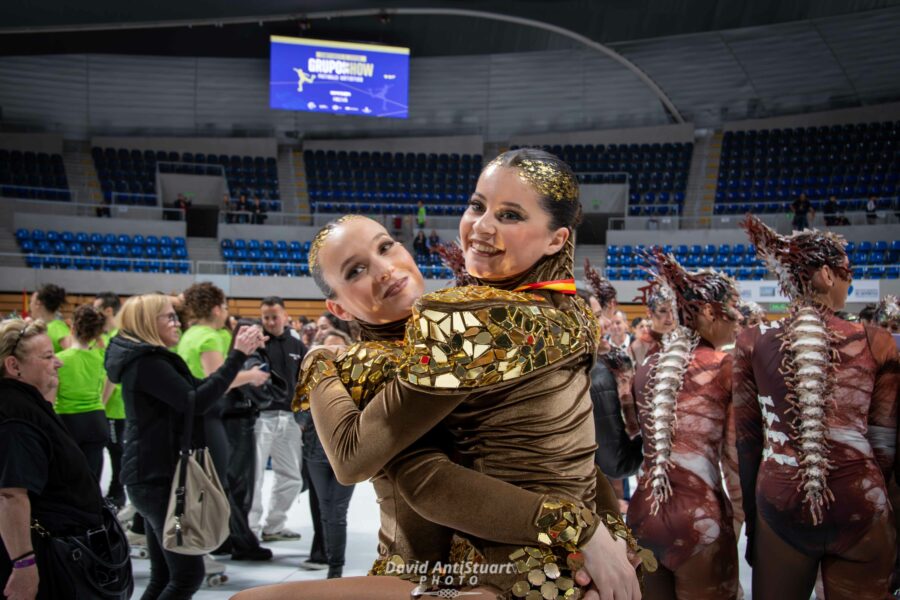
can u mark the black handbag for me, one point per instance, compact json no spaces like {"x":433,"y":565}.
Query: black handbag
{"x":95,"y":565}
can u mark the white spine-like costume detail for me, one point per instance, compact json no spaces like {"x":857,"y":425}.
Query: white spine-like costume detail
{"x":808,"y":368}
{"x":663,"y":386}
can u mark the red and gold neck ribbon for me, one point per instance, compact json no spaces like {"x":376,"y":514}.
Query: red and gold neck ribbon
{"x":563,"y":286}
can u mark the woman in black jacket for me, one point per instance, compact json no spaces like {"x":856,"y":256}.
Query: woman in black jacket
{"x":156,"y":384}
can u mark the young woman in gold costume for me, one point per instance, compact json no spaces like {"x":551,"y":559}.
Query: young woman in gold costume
{"x":502,"y":368}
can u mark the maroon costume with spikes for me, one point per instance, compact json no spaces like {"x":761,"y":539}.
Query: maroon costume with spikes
{"x":816,"y":411}
{"x":680,"y":509}
{"x":604,"y":291}
{"x":452,"y":257}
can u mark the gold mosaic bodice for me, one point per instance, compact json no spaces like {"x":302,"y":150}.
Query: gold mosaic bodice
{"x":363,"y":369}
{"x":477,"y":336}
{"x":461,"y":338}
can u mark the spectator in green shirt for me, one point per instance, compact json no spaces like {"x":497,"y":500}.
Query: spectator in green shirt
{"x":79,"y":400}
{"x":420,"y":215}
{"x":45,"y":304}
{"x":225,"y":334}
{"x":108,"y":303}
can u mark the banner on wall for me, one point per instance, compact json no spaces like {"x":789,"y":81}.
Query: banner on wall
{"x":863,"y":291}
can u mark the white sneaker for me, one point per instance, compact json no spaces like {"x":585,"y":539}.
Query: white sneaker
{"x":285,"y":535}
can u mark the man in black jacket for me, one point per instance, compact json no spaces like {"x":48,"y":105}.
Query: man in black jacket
{"x":277,"y":434}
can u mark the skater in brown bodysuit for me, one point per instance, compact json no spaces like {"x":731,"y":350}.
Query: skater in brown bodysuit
{"x":680,"y":509}
{"x":816,"y":410}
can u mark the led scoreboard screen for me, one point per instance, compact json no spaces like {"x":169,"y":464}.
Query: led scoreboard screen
{"x":338,"y":77}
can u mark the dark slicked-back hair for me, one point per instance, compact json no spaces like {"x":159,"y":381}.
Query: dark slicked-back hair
{"x":51,"y":296}
{"x":272,"y":301}
{"x":109,"y":300}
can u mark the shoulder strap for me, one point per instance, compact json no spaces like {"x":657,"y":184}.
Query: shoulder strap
{"x":188,"y":431}
{"x":184,"y":455}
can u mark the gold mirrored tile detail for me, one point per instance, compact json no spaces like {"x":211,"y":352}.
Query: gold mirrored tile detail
{"x":497,"y":336}
{"x":363,"y":369}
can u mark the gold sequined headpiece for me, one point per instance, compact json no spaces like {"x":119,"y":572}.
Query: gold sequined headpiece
{"x":322,"y":235}
{"x":544,"y":177}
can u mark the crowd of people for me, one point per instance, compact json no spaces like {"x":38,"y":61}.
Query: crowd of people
{"x":802,"y":212}
{"x":499,"y":419}
{"x":119,"y":375}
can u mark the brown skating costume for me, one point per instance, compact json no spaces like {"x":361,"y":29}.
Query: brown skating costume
{"x":680,"y":510}
{"x":521,"y":414}
{"x":816,"y":411}
{"x":505,"y":373}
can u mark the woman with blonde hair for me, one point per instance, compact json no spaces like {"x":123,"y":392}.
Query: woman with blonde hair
{"x":158,"y":387}
{"x":44,"y":477}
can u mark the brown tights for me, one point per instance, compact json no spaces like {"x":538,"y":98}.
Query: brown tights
{"x":711,"y":574}
{"x":780,"y":572}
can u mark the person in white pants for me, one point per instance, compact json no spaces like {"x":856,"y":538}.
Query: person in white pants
{"x":277,"y":434}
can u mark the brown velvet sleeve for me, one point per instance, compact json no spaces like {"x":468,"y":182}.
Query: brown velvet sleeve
{"x":606,"y":499}
{"x":359,"y":443}
{"x":729,"y":447}
{"x":748,"y":425}
{"x":883,"y":427}
{"x":471,"y":502}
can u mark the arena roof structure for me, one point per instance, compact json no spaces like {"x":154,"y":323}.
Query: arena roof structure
{"x":705,"y":61}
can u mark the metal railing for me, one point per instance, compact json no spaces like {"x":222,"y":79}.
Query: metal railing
{"x":671,"y":208}
{"x":284,"y":269}
{"x":219,"y":168}
{"x":581,"y":175}
{"x":432,"y":221}
{"x":779,"y":221}
{"x":63,"y":194}
{"x":201,"y":267}
{"x":245,"y":217}
{"x":127,"y":199}
{"x":96,"y":263}
{"x":82,"y":209}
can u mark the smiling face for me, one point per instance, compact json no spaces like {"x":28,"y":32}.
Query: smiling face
{"x":374,"y":278}
{"x":167,"y":326}
{"x":505,"y":230}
